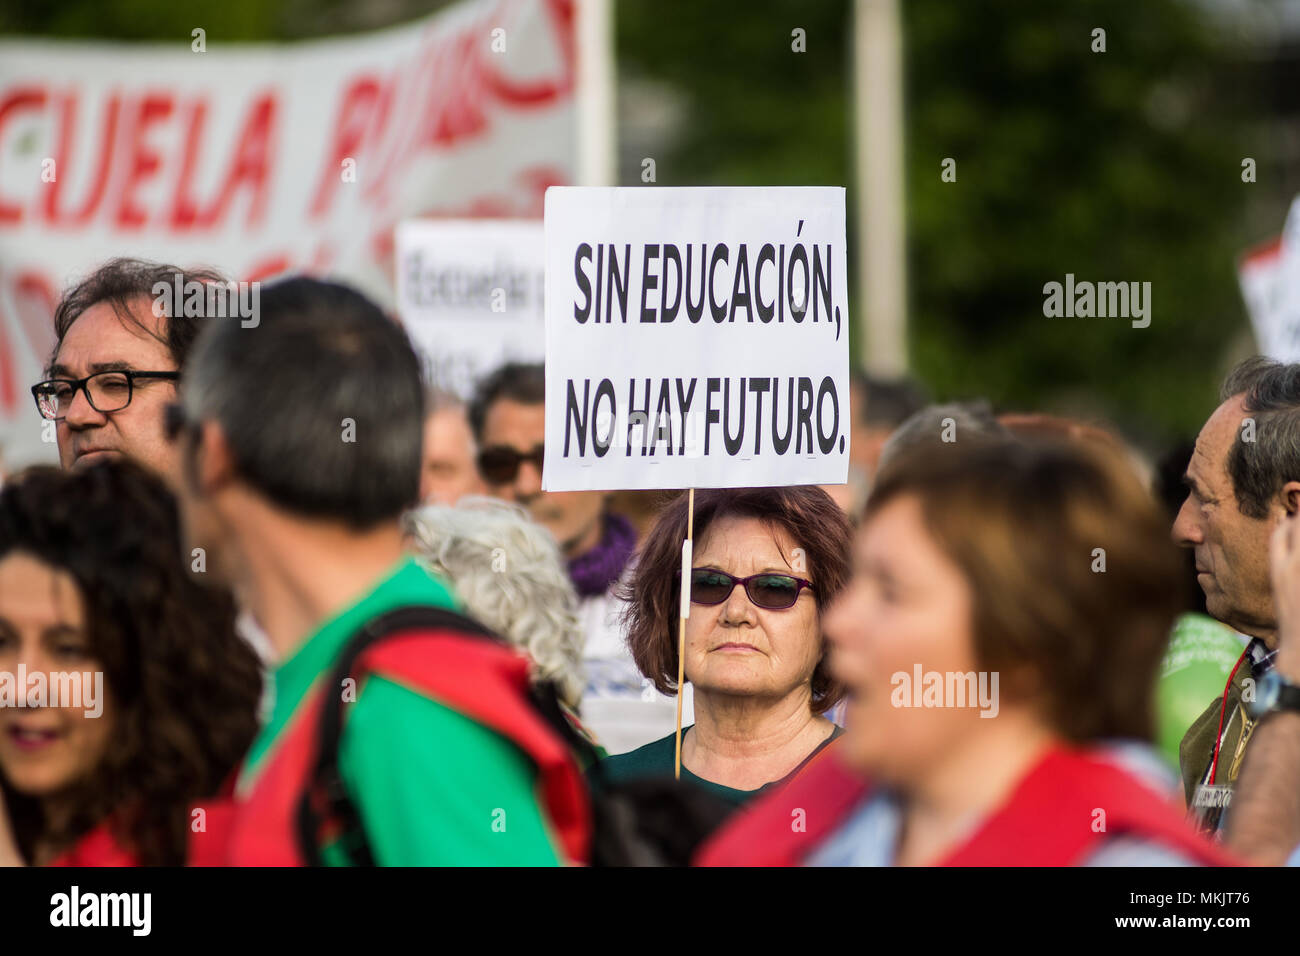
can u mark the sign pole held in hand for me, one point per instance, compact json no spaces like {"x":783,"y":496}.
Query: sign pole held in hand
{"x":681,"y":625}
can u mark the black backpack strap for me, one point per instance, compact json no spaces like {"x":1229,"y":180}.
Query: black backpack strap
{"x":545,"y":698}
{"x":325,"y":797}
{"x":651,"y":822}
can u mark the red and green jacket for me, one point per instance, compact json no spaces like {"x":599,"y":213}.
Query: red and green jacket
{"x":207,"y":846}
{"x":441,"y":753}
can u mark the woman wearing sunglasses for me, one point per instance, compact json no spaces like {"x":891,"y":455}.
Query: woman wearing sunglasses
{"x":766,"y":561}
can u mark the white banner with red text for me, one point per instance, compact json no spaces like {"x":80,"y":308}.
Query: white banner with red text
{"x":265,"y":159}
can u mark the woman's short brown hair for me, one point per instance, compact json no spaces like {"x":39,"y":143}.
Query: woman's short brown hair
{"x":1073,"y":578}
{"x":806,"y":513}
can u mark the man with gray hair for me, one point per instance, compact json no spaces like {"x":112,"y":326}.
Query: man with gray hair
{"x":299,"y":446}
{"x":1243,"y":480}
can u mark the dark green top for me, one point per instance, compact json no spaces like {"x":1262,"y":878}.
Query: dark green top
{"x":656,"y":759}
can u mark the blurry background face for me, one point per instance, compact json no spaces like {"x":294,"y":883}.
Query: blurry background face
{"x":573,"y":517}
{"x":99,"y":337}
{"x":906,"y":603}
{"x":448,"y":471}
{"x":42,"y":625}
{"x":737,"y":647}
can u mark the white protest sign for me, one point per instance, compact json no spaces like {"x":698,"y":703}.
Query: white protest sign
{"x":470,"y":293}
{"x":1259,"y":273}
{"x":695,"y":337}
{"x":1270,"y":284}
{"x":263,"y":159}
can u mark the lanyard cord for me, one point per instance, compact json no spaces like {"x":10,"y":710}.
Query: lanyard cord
{"x":1218,"y":737}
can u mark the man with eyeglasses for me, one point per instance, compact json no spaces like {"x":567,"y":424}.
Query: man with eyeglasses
{"x":509,"y":420}
{"x":115,"y":364}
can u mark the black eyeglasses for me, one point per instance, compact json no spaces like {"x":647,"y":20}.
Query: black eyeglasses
{"x":770,"y":591}
{"x":499,"y":465}
{"x":106,"y":391}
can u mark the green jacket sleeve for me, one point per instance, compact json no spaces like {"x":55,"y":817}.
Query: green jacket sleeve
{"x":435,"y":788}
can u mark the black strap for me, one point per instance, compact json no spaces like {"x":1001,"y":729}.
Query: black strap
{"x":325,"y":797}
{"x":634,"y":823}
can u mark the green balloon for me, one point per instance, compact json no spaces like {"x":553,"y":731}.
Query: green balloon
{"x":1201,"y":654}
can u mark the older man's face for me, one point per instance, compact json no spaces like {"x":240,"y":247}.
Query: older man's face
{"x":98,"y":340}
{"x":1231,"y":548}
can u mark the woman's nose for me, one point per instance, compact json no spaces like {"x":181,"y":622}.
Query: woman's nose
{"x":30,"y":659}
{"x":738,"y":609}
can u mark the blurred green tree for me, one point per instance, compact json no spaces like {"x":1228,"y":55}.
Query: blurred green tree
{"x":232,"y":20}
{"x":1122,"y":165}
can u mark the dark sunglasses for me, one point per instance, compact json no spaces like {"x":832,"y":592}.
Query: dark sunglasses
{"x":770,"y":591}
{"x":499,"y":465}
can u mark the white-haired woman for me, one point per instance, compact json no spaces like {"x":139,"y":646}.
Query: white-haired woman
{"x":511,"y":577}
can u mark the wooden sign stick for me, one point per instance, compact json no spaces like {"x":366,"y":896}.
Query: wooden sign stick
{"x":681,"y":625}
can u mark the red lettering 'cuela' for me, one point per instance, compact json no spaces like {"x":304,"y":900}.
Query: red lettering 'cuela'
{"x":98,"y":186}
{"x":185,"y":209}
{"x":22,"y":98}
{"x":144,"y":161}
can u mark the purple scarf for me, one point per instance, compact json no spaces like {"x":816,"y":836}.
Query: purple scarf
{"x":592,"y":573}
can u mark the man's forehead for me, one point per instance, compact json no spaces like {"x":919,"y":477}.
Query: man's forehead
{"x":511,"y":421}
{"x":102,"y":337}
{"x":1209,"y":456}
{"x":451,"y":420}
{"x":1202,"y":467}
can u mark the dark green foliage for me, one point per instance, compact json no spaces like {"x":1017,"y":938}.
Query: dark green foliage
{"x":1123,"y":165}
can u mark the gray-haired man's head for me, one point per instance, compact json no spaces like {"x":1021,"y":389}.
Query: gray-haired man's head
{"x":1243,"y":477}
{"x":320,"y":406}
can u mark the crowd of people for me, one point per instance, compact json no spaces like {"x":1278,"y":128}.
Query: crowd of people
{"x":286,"y":602}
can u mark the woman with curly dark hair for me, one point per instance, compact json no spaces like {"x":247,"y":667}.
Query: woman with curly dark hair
{"x":126,"y":697}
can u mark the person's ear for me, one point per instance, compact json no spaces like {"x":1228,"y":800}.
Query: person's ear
{"x":215,"y":461}
{"x":1291,"y":497}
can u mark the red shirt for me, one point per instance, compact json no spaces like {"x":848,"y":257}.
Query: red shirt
{"x":100,"y":847}
{"x":1047,"y":820}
